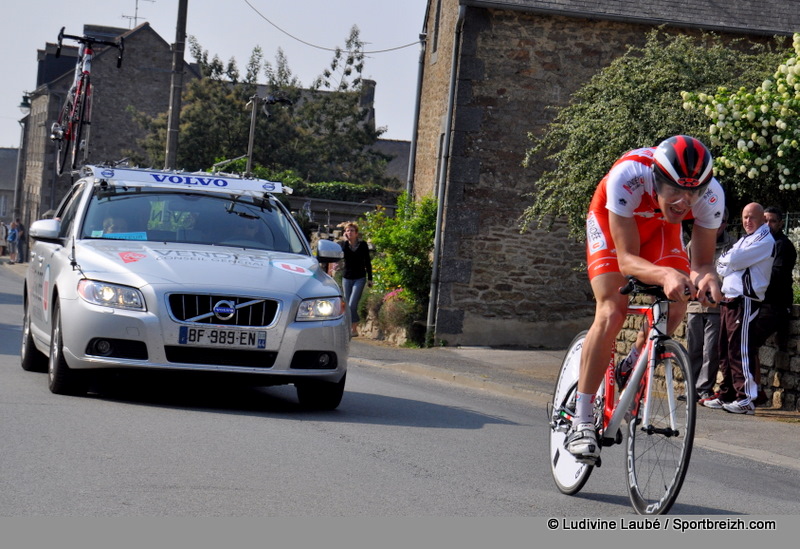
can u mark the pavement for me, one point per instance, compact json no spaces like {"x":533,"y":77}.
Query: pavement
{"x":771,"y":436}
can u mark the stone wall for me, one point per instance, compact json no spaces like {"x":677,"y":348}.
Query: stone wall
{"x":780,"y":370}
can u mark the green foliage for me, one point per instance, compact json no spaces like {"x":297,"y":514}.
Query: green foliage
{"x":322,"y":136}
{"x":756,"y":133}
{"x":634,"y":102}
{"x":338,"y":190}
{"x":403,"y":247}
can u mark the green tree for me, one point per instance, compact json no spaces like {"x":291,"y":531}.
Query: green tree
{"x":403,"y":247}
{"x":756,"y":132}
{"x":635,"y":101}
{"x":325,"y":135}
{"x":340,"y":128}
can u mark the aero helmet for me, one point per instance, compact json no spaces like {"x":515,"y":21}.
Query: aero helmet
{"x":683,"y":162}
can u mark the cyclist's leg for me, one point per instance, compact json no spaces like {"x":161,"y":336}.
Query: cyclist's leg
{"x":610,"y":313}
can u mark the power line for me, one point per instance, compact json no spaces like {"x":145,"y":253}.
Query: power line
{"x":309,"y":44}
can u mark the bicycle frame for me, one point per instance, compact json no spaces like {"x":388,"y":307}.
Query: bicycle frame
{"x":615,"y":410}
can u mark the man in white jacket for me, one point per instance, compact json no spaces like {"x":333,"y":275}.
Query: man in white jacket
{"x":746,"y":269}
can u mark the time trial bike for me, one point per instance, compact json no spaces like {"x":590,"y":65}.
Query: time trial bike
{"x":68,"y":131}
{"x":658,"y":404}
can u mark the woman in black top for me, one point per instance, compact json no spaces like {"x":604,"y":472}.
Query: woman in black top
{"x":357,"y":270}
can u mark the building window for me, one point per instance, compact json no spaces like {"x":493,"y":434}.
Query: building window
{"x":435,"y":41}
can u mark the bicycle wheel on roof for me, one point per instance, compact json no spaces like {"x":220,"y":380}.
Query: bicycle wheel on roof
{"x":61,"y":133}
{"x":81,"y":119}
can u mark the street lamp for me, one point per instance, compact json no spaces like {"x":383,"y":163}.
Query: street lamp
{"x":25,"y":105}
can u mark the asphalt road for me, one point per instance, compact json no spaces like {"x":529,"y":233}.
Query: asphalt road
{"x":401,"y":445}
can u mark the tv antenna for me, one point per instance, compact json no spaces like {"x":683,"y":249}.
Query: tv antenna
{"x":135,"y":17}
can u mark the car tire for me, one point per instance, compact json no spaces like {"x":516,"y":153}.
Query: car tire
{"x":320,"y":395}
{"x":61,"y":379}
{"x":31,"y":359}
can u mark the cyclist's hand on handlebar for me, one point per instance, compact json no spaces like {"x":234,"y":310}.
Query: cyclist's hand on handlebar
{"x":708,"y":290}
{"x":678,"y":287}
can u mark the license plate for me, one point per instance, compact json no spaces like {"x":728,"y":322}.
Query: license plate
{"x":220,"y":337}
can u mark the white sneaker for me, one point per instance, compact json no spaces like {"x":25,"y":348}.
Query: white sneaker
{"x":582,"y":443}
{"x":740,"y":407}
{"x":715,"y":403}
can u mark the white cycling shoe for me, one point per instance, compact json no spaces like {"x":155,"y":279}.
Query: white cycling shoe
{"x":582,"y":443}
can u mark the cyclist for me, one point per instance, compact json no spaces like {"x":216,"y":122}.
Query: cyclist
{"x":634,"y":228}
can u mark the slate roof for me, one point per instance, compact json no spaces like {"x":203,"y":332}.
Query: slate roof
{"x":762,"y":17}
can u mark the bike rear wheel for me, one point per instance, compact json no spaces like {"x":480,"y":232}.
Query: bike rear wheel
{"x":569,"y":474}
{"x":62,"y":133}
{"x":658,"y":447}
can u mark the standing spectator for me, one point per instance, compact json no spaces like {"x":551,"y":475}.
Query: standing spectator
{"x":746,"y":269}
{"x":12,"y":242}
{"x":776,"y":309}
{"x":702,"y":327}
{"x":3,"y":237}
{"x":21,"y":240}
{"x":357,"y":270}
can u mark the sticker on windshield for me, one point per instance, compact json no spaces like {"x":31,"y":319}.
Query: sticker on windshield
{"x":292,"y":268}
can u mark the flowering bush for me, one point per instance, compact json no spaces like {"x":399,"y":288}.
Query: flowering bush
{"x":634,"y":102}
{"x":403,"y":247}
{"x":756,"y":133}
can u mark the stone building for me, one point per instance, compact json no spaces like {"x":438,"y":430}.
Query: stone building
{"x":490,"y":70}
{"x":142,"y":83}
{"x":8,"y":178}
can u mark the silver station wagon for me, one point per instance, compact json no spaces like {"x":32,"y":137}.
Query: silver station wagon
{"x":170,"y":271}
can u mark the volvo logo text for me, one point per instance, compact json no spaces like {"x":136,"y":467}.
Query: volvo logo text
{"x":224,"y":310}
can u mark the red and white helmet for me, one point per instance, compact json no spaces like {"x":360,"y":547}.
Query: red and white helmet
{"x":683,"y":162}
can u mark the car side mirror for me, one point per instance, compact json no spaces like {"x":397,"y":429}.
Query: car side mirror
{"x":329,"y":252}
{"x":45,"y":229}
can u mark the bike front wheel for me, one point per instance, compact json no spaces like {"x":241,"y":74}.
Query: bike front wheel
{"x":661,"y":435}
{"x":569,"y":474}
{"x":82,"y":113}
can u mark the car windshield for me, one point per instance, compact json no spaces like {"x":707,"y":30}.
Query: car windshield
{"x":192,"y":218}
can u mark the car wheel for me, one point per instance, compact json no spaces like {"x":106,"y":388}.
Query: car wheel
{"x":62,"y":379}
{"x":30,"y":357}
{"x":320,"y":395}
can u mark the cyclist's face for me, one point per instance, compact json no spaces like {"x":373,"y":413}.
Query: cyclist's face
{"x":674,"y":196}
{"x":676,"y":202}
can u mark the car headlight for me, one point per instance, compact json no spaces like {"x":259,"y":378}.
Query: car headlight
{"x":325,"y":308}
{"x":111,"y":295}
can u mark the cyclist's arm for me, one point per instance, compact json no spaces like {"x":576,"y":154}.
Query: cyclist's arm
{"x":704,"y":274}
{"x":626,"y":237}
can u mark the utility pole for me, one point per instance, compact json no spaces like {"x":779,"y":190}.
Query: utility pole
{"x":177,"y":87}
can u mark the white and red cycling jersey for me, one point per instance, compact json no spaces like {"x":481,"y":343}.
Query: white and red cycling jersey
{"x":628,"y":190}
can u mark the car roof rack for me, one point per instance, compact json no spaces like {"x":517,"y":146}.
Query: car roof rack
{"x":211,"y":182}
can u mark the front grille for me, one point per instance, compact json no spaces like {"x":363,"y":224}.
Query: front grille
{"x":220,"y":357}
{"x":223,"y":310}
